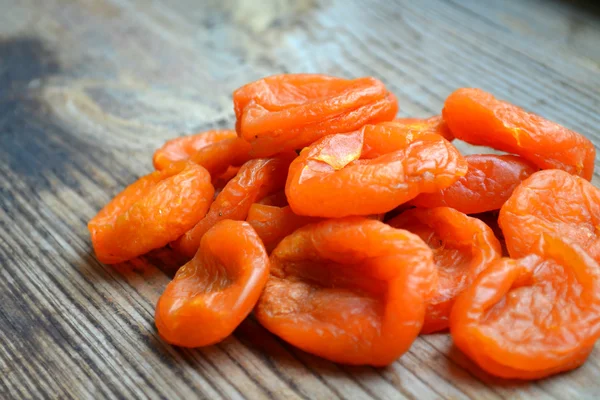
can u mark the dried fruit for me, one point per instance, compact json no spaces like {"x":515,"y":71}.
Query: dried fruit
{"x":489,"y":182}
{"x":182,"y":148}
{"x":435,"y":124}
{"x":553,"y":202}
{"x":151,"y":212}
{"x":255,"y":180}
{"x":462,"y":247}
{"x":273,"y":223}
{"x":478,"y":118}
{"x":531,"y":317}
{"x":330,"y":170}
{"x":213,"y":293}
{"x":350,"y":290}
{"x":218,"y":157}
{"x":288,"y":112}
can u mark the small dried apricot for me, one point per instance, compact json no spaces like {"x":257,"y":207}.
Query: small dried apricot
{"x":531,"y":317}
{"x":554,"y":202}
{"x":479,"y":118}
{"x":151,"y":212}
{"x":213,"y":293}
{"x":182,"y":148}
{"x":351,"y":290}
{"x":256,"y":179}
{"x":462,"y":247}
{"x":289,"y":112}
{"x":489,"y":182}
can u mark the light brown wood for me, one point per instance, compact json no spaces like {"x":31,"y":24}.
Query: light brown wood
{"x":89,"y":88}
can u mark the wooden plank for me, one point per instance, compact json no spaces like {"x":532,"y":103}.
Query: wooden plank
{"x":89,"y":88}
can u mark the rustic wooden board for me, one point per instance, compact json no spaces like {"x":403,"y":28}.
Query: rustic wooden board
{"x":89,"y":88}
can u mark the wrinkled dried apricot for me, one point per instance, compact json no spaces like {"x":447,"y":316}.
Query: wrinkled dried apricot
{"x":273,"y":223}
{"x":555,"y":202}
{"x":489,"y":182}
{"x":151,"y":212}
{"x":479,"y":118}
{"x":256,"y":179}
{"x":531,"y":317}
{"x":182,"y":148}
{"x":289,"y":112}
{"x":462,"y":247}
{"x":213,"y":293}
{"x":330,"y":170}
{"x":351,"y":290}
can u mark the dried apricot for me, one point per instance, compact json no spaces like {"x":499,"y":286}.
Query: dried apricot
{"x":289,"y":112}
{"x":554,"y":202}
{"x":435,"y":124}
{"x":351,"y":290}
{"x":531,"y":317}
{"x":462,"y":247}
{"x":256,"y":179}
{"x":330,"y":170}
{"x":218,"y":157}
{"x":182,"y":148}
{"x":273,"y":223}
{"x":489,"y":182}
{"x":479,"y":118}
{"x":151,"y":212}
{"x":213,"y":293}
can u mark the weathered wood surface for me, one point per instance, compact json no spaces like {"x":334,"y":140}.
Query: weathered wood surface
{"x":89,"y":88}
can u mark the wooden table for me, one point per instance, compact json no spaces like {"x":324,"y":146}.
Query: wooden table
{"x":89,"y":88}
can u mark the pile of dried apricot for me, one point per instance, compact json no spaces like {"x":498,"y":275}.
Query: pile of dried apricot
{"x":348,"y":232}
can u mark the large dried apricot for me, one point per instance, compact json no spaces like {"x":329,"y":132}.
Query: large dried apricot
{"x":478,"y":118}
{"x":489,"y":182}
{"x":351,"y":290}
{"x":182,"y":148}
{"x":256,"y":179}
{"x":289,"y":112}
{"x":151,"y":212}
{"x":273,"y":223}
{"x":462,"y":247}
{"x":330,"y":170}
{"x":531,"y":317}
{"x":554,"y":202}
{"x":213,"y":293}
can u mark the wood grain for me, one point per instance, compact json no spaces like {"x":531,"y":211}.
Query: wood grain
{"x":89,"y":88}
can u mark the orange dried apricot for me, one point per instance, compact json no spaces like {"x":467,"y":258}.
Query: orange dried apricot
{"x":479,"y":118}
{"x":151,"y":212}
{"x":489,"y":182}
{"x":462,"y":247}
{"x":330,"y":170}
{"x":531,"y":317}
{"x":350,"y":290}
{"x":289,"y":112}
{"x":273,"y":223}
{"x":182,"y":148}
{"x":554,"y":202}
{"x":219,"y":156}
{"x":256,"y":179}
{"x":435,"y":124}
{"x":213,"y":293}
